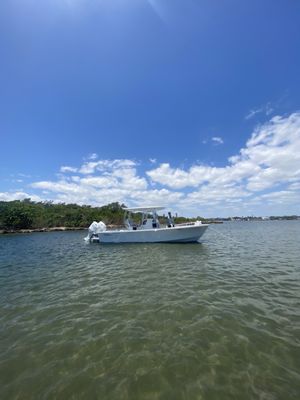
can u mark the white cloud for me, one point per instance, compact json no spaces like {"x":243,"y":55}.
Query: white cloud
{"x":88,"y":167}
{"x":104,"y":181}
{"x":65,"y":169}
{"x":252,"y":113}
{"x":93,"y":166}
{"x":163,"y":197}
{"x":217,"y":140}
{"x":9,"y":196}
{"x":271,"y":156}
{"x":295,"y":186}
{"x":281,"y":196}
{"x":98,"y":181}
{"x":266,"y":109}
{"x":263,"y":178}
{"x":89,"y":192}
{"x":92,"y":156}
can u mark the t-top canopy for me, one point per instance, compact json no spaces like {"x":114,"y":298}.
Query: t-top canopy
{"x":144,"y":209}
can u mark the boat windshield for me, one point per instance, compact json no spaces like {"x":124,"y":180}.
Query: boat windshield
{"x":146,"y":219}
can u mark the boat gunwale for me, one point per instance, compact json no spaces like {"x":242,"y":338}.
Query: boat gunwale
{"x":156,"y":229}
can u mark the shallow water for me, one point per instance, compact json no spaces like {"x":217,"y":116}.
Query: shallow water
{"x":217,"y":320}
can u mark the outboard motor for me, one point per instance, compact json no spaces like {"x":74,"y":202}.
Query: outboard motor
{"x":94,"y":229}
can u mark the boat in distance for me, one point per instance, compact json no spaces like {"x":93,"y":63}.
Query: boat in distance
{"x":149,"y":230}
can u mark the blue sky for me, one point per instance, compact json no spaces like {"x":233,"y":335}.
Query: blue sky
{"x":189,"y":104}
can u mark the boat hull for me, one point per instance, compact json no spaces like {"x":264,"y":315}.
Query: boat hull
{"x":177,"y":234}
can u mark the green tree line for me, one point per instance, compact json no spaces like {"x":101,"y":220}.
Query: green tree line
{"x":26,"y":214}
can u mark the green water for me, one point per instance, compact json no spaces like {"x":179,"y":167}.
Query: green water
{"x":217,"y":320}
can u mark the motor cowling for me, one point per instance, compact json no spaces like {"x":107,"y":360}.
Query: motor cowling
{"x":95,"y":228}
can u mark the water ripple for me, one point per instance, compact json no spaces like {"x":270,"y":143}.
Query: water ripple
{"x":217,"y":320}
